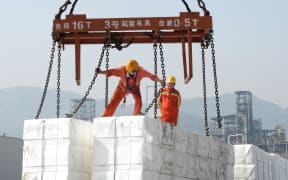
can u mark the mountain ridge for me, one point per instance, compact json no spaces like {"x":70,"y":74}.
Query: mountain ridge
{"x":21,"y":102}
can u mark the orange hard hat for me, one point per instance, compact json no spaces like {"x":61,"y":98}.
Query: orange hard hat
{"x":132,"y":65}
{"x":171,"y":79}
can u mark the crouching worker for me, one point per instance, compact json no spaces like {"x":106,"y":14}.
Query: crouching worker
{"x":130,"y":76}
{"x":169,"y":102}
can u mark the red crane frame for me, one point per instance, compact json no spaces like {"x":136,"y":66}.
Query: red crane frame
{"x":188,"y":28}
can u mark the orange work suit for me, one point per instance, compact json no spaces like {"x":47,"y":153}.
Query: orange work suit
{"x":169,"y":101}
{"x":127,"y":84}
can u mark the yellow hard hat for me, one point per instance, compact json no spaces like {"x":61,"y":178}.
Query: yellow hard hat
{"x":171,"y":79}
{"x":132,"y":65}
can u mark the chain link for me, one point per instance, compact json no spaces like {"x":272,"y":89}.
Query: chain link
{"x":186,"y":5}
{"x":47,"y":80}
{"x":92,"y":81}
{"x":58,"y":81}
{"x":162,"y":64}
{"x":73,"y":7}
{"x":204,"y":90}
{"x":203,"y":7}
{"x":155,"y":82}
{"x":219,"y":119}
{"x":117,"y":39}
{"x":107,"y":79}
{"x":154,"y":99}
{"x":162,"y":69}
{"x":163,"y":76}
{"x":62,"y":9}
{"x":204,"y":45}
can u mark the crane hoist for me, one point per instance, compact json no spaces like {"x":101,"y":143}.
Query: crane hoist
{"x":187,"y":28}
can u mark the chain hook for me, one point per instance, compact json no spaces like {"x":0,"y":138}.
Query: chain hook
{"x":62,"y":9}
{"x":117,"y":39}
{"x":201,"y":4}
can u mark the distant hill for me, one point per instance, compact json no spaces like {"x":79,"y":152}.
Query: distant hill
{"x":20,"y":103}
{"x":270,"y":113}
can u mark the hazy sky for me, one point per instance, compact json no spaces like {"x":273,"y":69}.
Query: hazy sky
{"x":250,"y":43}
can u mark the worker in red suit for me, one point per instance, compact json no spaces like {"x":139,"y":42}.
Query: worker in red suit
{"x":130,"y":76}
{"x":169,"y":102}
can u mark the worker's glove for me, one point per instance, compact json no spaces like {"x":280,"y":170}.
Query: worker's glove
{"x":98,"y":70}
{"x":163,"y":83}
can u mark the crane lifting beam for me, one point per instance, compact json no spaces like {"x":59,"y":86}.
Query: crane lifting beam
{"x":188,"y":28}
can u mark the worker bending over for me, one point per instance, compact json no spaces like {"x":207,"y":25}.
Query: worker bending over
{"x":130,"y":76}
{"x":169,"y":102}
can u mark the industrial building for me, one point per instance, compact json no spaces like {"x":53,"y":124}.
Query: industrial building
{"x":242,"y":128}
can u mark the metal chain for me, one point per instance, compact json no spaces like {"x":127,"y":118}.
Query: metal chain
{"x":92,"y":81}
{"x":47,"y":80}
{"x":162,"y":70}
{"x":107,"y":79}
{"x":155,"y":82}
{"x":204,"y":90}
{"x":120,"y":46}
{"x":201,"y":4}
{"x":186,"y":5}
{"x":62,"y":9}
{"x":219,"y":119}
{"x":58,"y":81}
{"x":73,"y":6}
{"x":163,"y":77}
{"x":162,"y":64}
{"x":154,"y":99}
{"x":117,"y":39}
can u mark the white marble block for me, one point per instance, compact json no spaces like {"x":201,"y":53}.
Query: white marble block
{"x":59,"y":149}
{"x":143,"y":148}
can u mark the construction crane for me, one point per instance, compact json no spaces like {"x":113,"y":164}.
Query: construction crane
{"x":187,"y":28}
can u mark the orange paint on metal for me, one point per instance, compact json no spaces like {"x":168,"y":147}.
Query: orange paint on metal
{"x":188,"y":28}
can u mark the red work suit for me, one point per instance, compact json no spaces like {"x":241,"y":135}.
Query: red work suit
{"x":169,"y":101}
{"x":125,"y":86}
